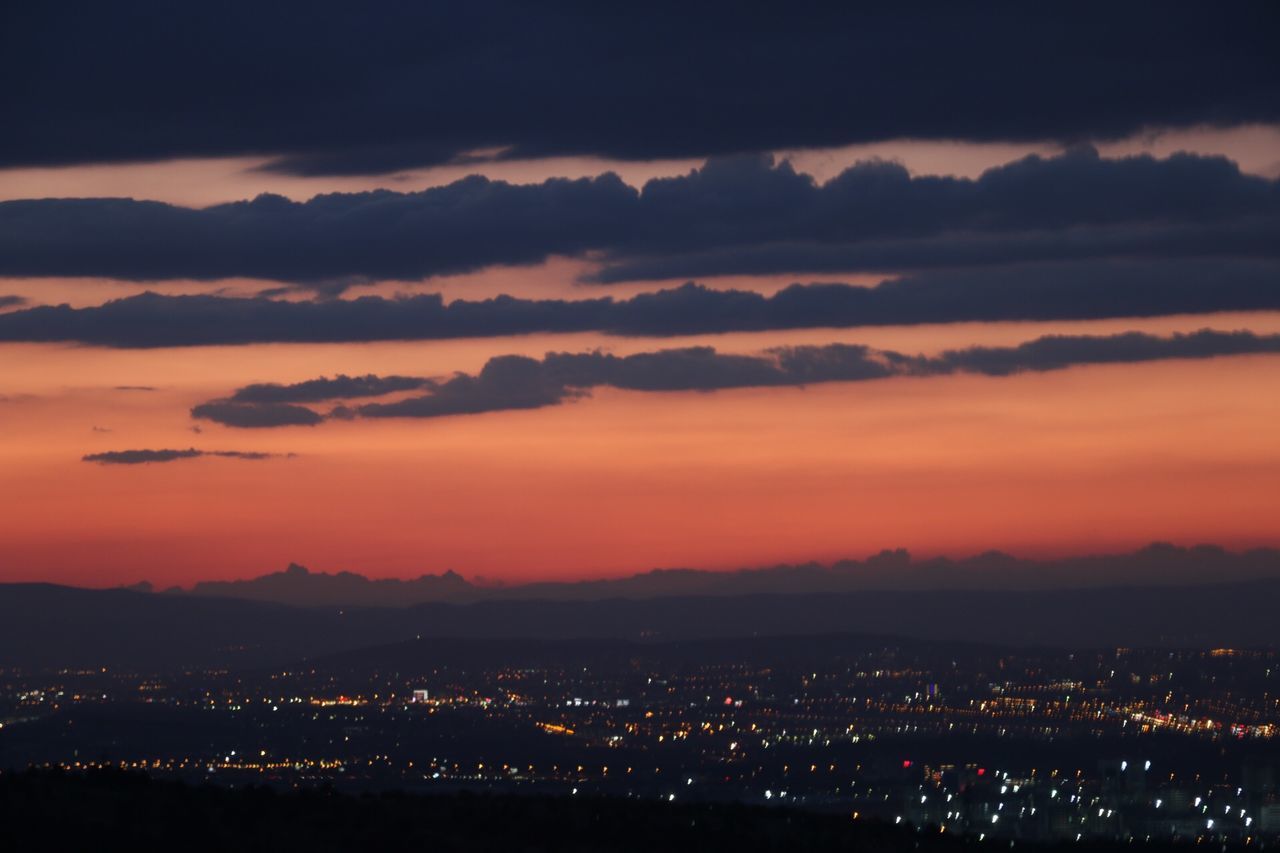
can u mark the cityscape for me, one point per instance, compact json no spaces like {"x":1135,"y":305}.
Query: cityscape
{"x":1116,"y":744}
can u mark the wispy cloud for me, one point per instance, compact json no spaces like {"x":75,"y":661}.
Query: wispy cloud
{"x":143,"y":457}
{"x":513,"y":382}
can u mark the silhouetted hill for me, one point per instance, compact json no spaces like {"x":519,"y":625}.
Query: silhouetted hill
{"x":1155,"y":565}
{"x":43,"y":625}
{"x":1222,"y":614}
{"x":49,"y":626}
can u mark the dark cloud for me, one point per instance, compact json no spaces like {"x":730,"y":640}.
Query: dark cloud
{"x":1054,"y":352}
{"x":1086,"y":290}
{"x":256,"y":414}
{"x":135,"y":388}
{"x":335,"y":89}
{"x":142,"y":457}
{"x":337,"y":239}
{"x":340,"y":387}
{"x":11,"y":301}
{"x":275,"y":405}
{"x":704,"y":369}
{"x":505,"y":382}
{"x":513,"y":382}
{"x":1074,"y":206}
{"x":1256,"y":238}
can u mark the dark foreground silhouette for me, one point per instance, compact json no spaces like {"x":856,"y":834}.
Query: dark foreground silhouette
{"x":43,"y":810}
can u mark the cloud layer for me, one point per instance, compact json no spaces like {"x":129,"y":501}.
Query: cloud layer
{"x":335,"y":89}
{"x":1072,"y":291}
{"x":513,"y":382}
{"x":732,"y":215}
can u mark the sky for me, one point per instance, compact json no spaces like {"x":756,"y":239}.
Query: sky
{"x":565,"y":290}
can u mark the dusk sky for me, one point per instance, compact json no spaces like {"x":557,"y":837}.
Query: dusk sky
{"x":554,"y":291}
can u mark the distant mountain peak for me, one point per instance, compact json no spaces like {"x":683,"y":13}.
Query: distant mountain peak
{"x":298,"y":585}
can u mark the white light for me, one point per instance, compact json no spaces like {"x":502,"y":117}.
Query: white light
{"x":1209,"y":824}
{"x":1124,"y":765}
{"x":1147,"y":766}
{"x":1158,"y":802}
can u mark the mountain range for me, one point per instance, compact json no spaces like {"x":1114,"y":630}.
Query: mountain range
{"x":1158,"y":564}
{"x":50,"y":627}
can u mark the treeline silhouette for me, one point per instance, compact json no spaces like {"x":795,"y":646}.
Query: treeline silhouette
{"x":53,"y":810}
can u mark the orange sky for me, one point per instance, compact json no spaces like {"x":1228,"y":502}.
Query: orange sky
{"x":1081,"y":460}
{"x":1077,"y":460}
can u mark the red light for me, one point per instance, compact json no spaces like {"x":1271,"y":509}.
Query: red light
{"x":906,"y":764}
{"x":982,"y":771}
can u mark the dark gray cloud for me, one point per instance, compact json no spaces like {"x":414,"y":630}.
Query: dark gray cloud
{"x":513,"y":382}
{"x":275,"y":405}
{"x":1072,"y":291}
{"x":11,"y":301}
{"x":256,"y":414}
{"x":1055,"y":352}
{"x":142,"y":457}
{"x":336,"y":89}
{"x":1154,"y":243}
{"x":504,"y":383}
{"x":340,"y":387}
{"x":734,"y":214}
{"x":337,"y":238}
